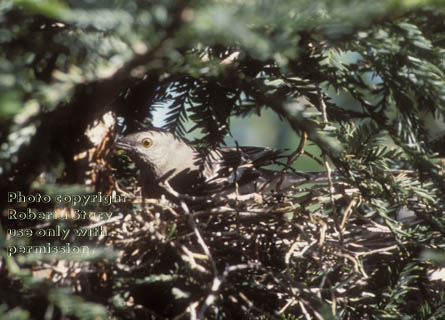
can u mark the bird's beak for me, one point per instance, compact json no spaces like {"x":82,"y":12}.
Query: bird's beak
{"x":119,"y":144}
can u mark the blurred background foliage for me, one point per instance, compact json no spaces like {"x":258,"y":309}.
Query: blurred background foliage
{"x":364,"y":80}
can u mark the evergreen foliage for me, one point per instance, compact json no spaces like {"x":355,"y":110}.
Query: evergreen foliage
{"x":362,"y":80}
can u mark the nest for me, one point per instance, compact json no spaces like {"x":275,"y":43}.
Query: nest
{"x":304,"y":253}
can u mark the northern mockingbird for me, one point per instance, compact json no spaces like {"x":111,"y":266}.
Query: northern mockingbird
{"x":164,"y":158}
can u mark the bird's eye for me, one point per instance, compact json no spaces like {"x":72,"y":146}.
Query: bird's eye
{"x":146,"y":142}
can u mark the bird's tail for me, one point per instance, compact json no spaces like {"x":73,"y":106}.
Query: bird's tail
{"x":272,"y":181}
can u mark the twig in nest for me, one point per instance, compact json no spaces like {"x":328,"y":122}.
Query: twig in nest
{"x":214,"y":200}
{"x":301,"y":253}
{"x":299,"y":151}
{"x":125,"y":193}
{"x":201,"y":241}
{"x":216,"y":284}
{"x":190,"y":258}
{"x":326,"y":165}
{"x":347,"y":213}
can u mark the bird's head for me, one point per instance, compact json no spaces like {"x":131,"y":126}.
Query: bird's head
{"x":160,"y":151}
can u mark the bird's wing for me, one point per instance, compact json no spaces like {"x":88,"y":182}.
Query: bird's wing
{"x":261,"y":156}
{"x":240,"y":156}
{"x":227,"y":165}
